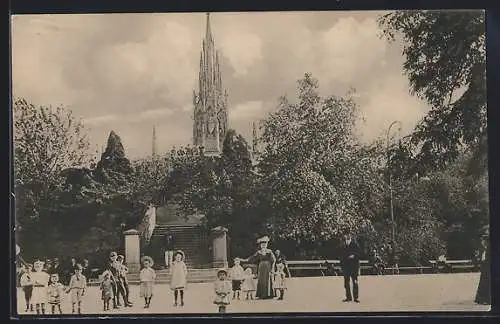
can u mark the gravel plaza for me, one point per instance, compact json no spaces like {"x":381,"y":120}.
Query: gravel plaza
{"x":436,"y":292}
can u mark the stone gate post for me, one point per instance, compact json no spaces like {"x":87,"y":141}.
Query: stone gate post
{"x":219,"y":247}
{"x":132,"y":250}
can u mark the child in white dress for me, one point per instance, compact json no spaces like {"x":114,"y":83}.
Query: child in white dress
{"x":106,"y":289}
{"x":222,"y":289}
{"x":40,"y":283}
{"x":178,"y":281}
{"x":248,"y":286}
{"x":147,"y":278}
{"x":279,"y":280}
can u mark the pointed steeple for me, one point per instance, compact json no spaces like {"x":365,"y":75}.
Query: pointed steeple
{"x":208,"y":32}
{"x":210,"y":111}
{"x":154,"y":145}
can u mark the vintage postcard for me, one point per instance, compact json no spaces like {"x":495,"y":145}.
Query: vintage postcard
{"x":264,"y":162}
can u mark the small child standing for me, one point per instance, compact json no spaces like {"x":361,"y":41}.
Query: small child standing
{"x":248,"y":285}
{"x":222,"y":288}
{"x":237,"y":275}
{"x":27,"y":286}
{"x":77,"y":287}
{"x":40,"y":283}
{"x":106,"y":289}
{"x":147,"y":278}
{"x":178,"y":281}
{"x":279,"y":280}
{"x":55,"y":291}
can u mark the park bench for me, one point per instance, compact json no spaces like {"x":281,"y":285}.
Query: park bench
{"x":323,"y":267}
{"x":417,"y":269}
{"x":451,"y":265}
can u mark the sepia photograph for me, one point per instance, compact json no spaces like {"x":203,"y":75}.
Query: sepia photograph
{"x":250,"y":162}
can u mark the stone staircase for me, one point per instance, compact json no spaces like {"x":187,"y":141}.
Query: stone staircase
{"x":191,"y":239}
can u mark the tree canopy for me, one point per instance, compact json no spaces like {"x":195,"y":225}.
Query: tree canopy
{"x":309,"y":159}
{"x":445,"y":61}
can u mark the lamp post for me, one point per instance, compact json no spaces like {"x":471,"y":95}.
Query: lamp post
{"x":393,"y":225}
{"x":122,"y":241}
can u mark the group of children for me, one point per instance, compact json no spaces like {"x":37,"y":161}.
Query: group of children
{"x":41,"y":289}
{"x":147,"y":277}
{"x":239,"y":280}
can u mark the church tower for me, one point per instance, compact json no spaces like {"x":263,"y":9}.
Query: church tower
{"x":210,"y":102}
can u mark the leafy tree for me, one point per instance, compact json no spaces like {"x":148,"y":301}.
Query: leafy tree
{"x":150,"y":179}
{"x":446,"y":65}
{"x":307,"y":165}
{"x":238,"y":183}
{"x":193,"y":183}
{"x":47,"y":140}
{"x":462,"y":203}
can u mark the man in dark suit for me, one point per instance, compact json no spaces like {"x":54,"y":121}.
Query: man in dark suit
{"x":169,"y":249}
{"x":350,"y":266}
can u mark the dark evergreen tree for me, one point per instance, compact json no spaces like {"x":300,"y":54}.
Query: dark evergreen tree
{"x":114,"y":165}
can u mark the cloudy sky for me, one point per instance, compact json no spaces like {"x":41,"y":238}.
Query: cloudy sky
{"x":129,"y":72}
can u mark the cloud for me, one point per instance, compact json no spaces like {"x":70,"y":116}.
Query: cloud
{"x":247,"y":110}
{"x":349,"y":49}
{"x":96,"y":121}
{"x":386,"y":101}
{"x":149,"y":115}
{"x":242,"y":50}
{"x":154,"y":114}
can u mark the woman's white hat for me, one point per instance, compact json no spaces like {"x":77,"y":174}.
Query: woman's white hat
{"x":263,"y":239}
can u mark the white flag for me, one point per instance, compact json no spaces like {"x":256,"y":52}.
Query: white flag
{"x":18,"y":249}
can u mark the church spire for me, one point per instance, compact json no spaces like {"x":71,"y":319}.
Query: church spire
{"x":210,"y":111}
{"x":154,"y":146}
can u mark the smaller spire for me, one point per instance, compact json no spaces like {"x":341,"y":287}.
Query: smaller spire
{"x":154,"y":146}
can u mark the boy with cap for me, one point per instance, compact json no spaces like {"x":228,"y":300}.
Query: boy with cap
{"x":77,"y":287}
{"x":237,"y":276}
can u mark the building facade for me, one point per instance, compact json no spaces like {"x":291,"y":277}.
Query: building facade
{"x":210,"y":100}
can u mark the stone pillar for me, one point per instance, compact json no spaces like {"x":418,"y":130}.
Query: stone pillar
{"x":132,"y":250}
{"x":219,"y":247}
